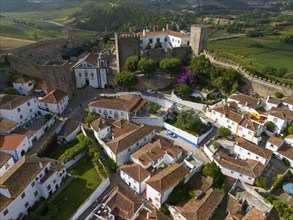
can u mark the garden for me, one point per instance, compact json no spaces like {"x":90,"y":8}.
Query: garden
{"x":190,"y":122}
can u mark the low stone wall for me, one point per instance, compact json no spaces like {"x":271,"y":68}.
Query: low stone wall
{"x":70,"y":163}
{"x":261,"y":86}
{"x":152,"y":121}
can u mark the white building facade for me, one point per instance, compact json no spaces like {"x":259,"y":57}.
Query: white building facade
{"x":55,"y":101}
{"x":91,"y":70}
{"x":24,"y":86}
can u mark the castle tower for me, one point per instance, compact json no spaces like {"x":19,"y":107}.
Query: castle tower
{"x":198,"y":38}
{"x":127,"y":44}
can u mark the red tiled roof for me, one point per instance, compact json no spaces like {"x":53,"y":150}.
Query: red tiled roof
{"x":275,"y":141}
{"x":11,"y":142}
{"x":136,"y":172}
{"x":54,"y":97}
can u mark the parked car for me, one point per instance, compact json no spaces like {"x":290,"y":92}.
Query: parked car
{"x":150,"y":91}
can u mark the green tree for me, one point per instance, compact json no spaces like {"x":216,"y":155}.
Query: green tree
{"x":213,"y":171}
{"x":132,"y":63}
{"x":203,"y":68}
{"x":223,"y":132}
{"x":152,"y":107}
{"x":279,"y":95}
{"x":147,"y":66}
{"x":125,"y":79}
{"x":171,"y":65}
{"x":271,"y":126}
{"x":261,"y":181}
{"x":148,"y":46}
{"x":290,"y":129}
{"x":183,"y":89}
{"x":158,"y":44}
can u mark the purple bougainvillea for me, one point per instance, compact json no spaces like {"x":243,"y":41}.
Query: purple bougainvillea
{"x":187,"y":77}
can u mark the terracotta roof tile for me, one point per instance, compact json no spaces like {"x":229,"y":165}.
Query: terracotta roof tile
{"x":164,"y":33}
{"x":4,"y":157}
{"x":255,"y":214}
{"x":250,"y":168}
{"x":41,"y":85}
{"x":54,"y":97}
{"x":201,"y":209}
{"x":10,"y":102}
{"x":102,"y":123}
{"x":263,"y":152}
{"x":23,"y":80}
{"x":152,"y":152}
{"x":157,"y":215}
{"x":126,"y":140}
{"x":275,"y":141}
{"x":68,"y":128}
{"x":168,"y":177}
{"x":22,"y":173}
{"x":288,"y":100}
{"x":7,"y":125}
{"x":11,"y":142}
{"x":136,"y":172}
{"x":282,"y":113}
{"x":273,"y":100}
{"x":250,"y":125}
{"x":245,"y":100}
{"x":123,"y":203}
{"x":128,"y":103}
{"x":90,"y":58}
{"x":286,"y":150}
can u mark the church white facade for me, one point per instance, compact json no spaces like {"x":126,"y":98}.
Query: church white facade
{"x":91,"y":70}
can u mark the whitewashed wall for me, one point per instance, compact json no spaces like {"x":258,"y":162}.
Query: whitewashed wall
{"x":152,"y":121}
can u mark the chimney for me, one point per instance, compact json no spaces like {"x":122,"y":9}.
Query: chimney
{"x":246,"y":103}
{"x":246,"y":125}
{"x":40,"y":164}
{"x":228,"y":103}
{"x":143,"y":32}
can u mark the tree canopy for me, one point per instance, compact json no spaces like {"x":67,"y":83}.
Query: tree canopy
{"x":126,"y":79}
{"x":213,"y":171}
{"x":183,"y":89}
{"x":171,"y":65}
{"x":132,"y":63}
{"x":147,"y":66}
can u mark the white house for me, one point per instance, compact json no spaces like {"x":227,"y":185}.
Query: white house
{"x":160,"y":186}
{"x":283,"y":149}
{"x":20,"y":109}
{"x":91,"y":70}
{"x":24,"y":85}
{"x":6,"y":162}
{"x":271,"y":102}
{"x":55,"y":101}
{"x":26,"y":182}
{"x":249,"y":126}
{"x":135,"y":177}
{"x":168,"y":39}
{"x":157,"y":153}
{"x":288,"y":102}
{"x":15,"y":145}
{"x":281,"y":117}
{"x":69,"y":131}
{"x":245,"y":103}
{"x":121,"y":138}
{"x":120,"y":107}
{"x":247,"y":150}
{"x":7,"y":126}
{"x":245,"y":170}
{"x":120,"y":204}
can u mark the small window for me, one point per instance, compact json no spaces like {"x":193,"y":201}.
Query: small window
{"x":79,"y":74}
{"x":151,"y":40}
{"x":33,"y":184}
{"x":110,"y":112}
{"x":129,"y":149}
{"x":249,"y":178}
{"x":5,"y":212}
{"x":21,"y":117}
{"x":240,"y":129}
{"x":166,"y":39}
{"x":28,"y":104}
{"x":49,"y":187}
{"x":31,"y":110}
{"x":240,"y":174}
{"x":18,"y":109}
{"x":228,"y":121}
{"x":26,"y":204}
{"x":256,"y":157}
{"x":22,"y":195}
{"x":144,"y":139}
{"x":248,"y":153}
{"x":249,"y":132}
{"x":232,"y":171}
{"x":122,"y":113}
{"x":137,"y":144}
{"x":36,"y":193}
{"x":275,"y":120}
{"x":92,"y":75}
{"x":214,"y":112}
{"x":232,"y":123}
{"x":99,"y":110}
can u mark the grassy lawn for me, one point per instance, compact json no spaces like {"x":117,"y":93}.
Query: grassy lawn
{"x":255,"y":51}
{"x":87,"y":180}
{"x":62,"y":148}
{"x":12,"y":43}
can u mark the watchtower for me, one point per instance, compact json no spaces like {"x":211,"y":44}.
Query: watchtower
{"x":198,"y":38}
{"x":127,"y":44}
